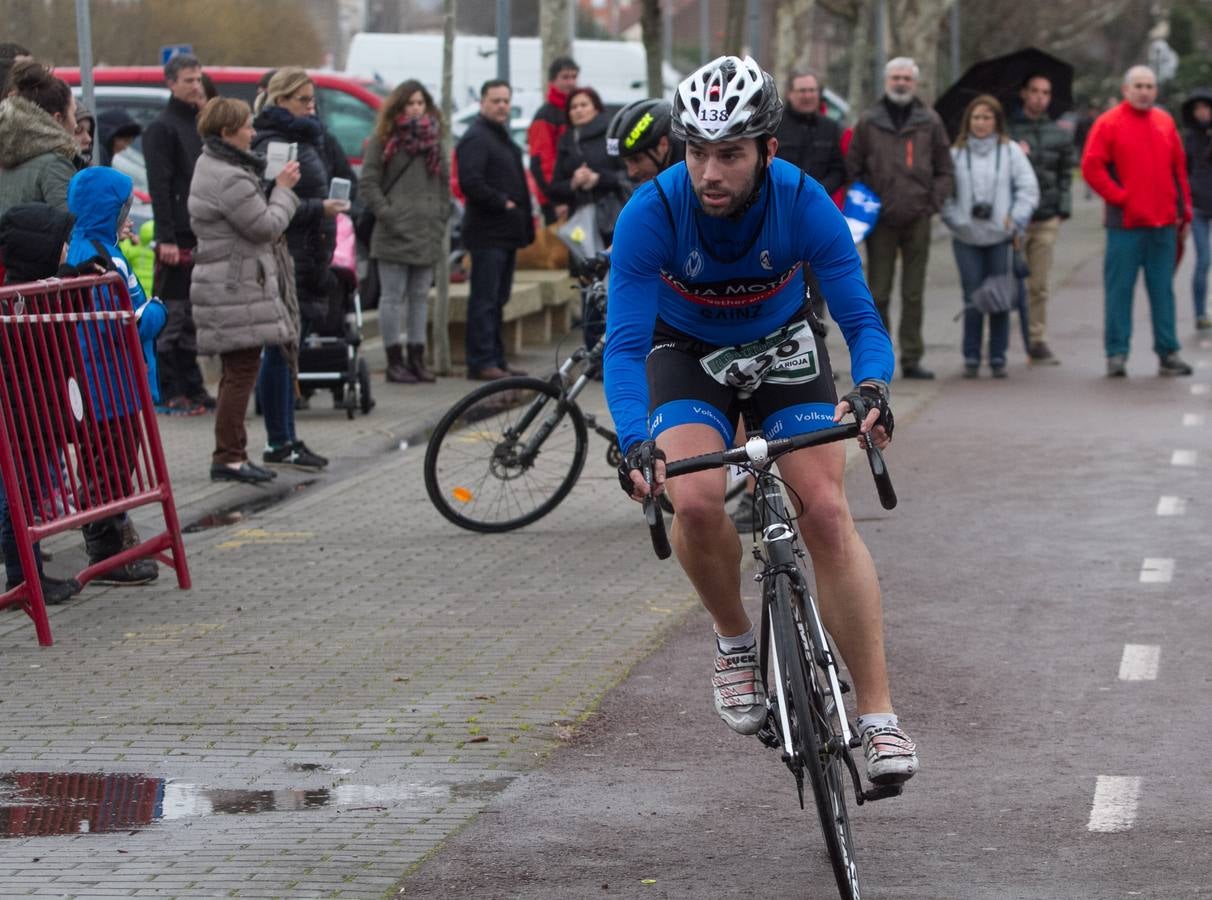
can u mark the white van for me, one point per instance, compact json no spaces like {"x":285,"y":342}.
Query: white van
{"x":617,"y":70}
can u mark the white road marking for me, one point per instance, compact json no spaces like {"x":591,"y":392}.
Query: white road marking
{"x":1183,"y":458}
{"x":1156,"y":570}
{"x":1193,"y":419}
{"x":1171,"y":506}
{"x":1200,"y":388}
{"x":1115,"y":799}
{"x":1139,"y":662}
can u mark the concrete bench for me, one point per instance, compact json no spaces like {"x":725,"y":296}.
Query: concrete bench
{"x":540,"y":308}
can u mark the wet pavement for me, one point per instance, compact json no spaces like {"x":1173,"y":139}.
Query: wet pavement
{"x":350,"y":681}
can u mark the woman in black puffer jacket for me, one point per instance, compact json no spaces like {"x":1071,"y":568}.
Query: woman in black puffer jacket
{"x":289,"y":116}
{"x":584,"y":172}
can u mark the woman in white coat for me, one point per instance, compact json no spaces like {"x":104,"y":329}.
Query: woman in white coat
{"x":995,"y":194}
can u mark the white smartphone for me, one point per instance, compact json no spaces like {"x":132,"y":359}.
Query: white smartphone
{"x":277,"y":155}
{"x":338,"y":189}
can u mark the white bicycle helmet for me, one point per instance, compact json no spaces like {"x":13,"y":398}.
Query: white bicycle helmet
{"x":726,"y":100}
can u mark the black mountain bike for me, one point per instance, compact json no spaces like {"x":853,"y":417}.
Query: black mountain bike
{"x":509,"y":452}
{"x":806,"y":717}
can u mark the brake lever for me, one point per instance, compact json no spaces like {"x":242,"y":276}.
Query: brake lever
{"x":875,"y":459}
{"x":652,"y":510}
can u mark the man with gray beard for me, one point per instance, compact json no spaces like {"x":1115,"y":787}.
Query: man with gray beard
{"x":900,"y":150}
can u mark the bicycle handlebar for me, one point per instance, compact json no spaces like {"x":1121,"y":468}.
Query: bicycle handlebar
{"x":759,"y":450}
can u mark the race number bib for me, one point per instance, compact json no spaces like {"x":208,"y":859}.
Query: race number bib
{"x":789,"y":356}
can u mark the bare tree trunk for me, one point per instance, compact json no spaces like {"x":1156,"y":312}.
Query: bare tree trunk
{"x":914,"y":26}
{"x":553,"y":33}
{"x":734,"y":27}
{"x":441,"y":307}
{"x":651,"y":26}
{"x":793,"y":44}
{"x":860,"y":60}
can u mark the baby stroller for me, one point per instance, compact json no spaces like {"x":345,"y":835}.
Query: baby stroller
{"x":328,"y":353}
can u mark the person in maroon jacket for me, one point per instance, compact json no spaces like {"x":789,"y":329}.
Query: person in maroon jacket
{"x":1134,"y":160}
{"x":549,"y":124}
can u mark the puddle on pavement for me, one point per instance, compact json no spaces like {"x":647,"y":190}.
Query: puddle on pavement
{"x":60,"y":803}
{"x":236,"y":514}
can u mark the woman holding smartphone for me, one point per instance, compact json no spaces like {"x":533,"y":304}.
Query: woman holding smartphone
{"x":242,"y":298}
{"x":288,"y":115}
{"x":405,"y":182}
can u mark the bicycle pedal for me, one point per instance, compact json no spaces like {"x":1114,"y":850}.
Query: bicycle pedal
{"x":769,"y":736}
{"x":843,"y":685}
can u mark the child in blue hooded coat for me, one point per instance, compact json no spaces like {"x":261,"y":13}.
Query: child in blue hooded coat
{"x":100,"y":199}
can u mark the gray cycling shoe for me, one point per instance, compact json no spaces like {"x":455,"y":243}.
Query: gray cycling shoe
{"x":891,"y":755}
{"x":740,"y":696}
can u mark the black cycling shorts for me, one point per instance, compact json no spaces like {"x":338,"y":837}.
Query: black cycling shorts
{"x":680,"y":391}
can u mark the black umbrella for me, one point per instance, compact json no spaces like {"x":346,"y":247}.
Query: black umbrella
{"x":1003,"y":77}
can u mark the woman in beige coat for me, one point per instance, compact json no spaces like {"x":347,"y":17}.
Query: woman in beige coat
{"x":241,"y":289}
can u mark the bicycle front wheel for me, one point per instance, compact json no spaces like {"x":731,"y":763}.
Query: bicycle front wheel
{"x":505,"y":455}
{"x":810,"y":716}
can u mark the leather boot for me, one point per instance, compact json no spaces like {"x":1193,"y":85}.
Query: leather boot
{"x":397,"y":372}
{"x":416,"y":362}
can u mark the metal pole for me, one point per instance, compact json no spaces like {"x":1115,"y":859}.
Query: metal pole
{"x":441,"y":307}
{"x":880,"y":56}
{"x":572,"y":27}
{"x":955,"y":40}
{"x":84,"y":42}
{"x":503,"y":21}
{"x":755,"y":29}
{"x":704,"y":31}
{"x":666,"y":33}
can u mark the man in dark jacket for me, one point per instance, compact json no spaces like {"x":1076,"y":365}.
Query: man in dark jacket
{"x":548,"y":126}
{"x":497,"y":221}
{"x":171,"y":146}
{"x":1052,"y":156}
{"x":807,"y":137}
{"x":900,"y":150}
{"x":1197,"y":141}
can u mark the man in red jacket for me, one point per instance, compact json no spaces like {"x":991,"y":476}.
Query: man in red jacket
{"x":551,"y":121}
{"x":1134,"y":160}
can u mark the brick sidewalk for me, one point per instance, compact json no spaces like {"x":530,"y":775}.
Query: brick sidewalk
{"x":372,"y":673}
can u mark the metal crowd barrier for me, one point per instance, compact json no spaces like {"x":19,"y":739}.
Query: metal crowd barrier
{"x":78,"y":434}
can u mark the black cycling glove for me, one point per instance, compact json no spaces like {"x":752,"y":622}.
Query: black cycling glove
{"x":640,"y":455}
{"x":874,"y":395}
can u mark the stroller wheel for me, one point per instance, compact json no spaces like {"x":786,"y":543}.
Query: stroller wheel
{"x":368,"y":402}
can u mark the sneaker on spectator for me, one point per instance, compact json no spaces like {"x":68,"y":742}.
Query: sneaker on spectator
{"x":1203,"y":323}
{"x":1172,"y":364}
{"x":304,"y":449}
{"x":54,"y":590}
{"x":204,"y":399}
{"x":1040,"y":354}
{"x":891,"y":756}
{"x":296,"y":455}
{"x":740,"y":696}
{"x":1117,"y":366}
{"x":181,"y":406}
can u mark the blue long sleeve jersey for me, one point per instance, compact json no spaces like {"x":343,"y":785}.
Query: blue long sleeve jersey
{"x":726,"y":282}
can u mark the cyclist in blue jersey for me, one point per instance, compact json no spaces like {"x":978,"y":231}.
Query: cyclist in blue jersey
{"x":707,"y":298}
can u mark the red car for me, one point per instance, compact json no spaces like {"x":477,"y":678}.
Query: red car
{"x":347,"y":105}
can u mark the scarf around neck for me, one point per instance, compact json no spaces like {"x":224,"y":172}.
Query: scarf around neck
{"x":415,"y":136}
{"x":301,"y":128}
{"x":221,"y":149}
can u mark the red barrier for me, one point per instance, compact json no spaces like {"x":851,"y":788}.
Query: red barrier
{"x":78,"y":434}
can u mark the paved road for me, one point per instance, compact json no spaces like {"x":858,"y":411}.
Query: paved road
{"x":352,"y":681}
{"x":1049,"y":668}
